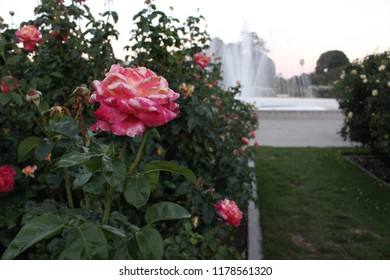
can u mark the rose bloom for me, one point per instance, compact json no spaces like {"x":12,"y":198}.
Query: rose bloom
{"x":229,"y":211}
{"x":7,"y":180}
{"x":201,"y":60}
{"x":7,"y":86}
{"x":131,"y":100}
{"x":245,"y":140}
{"x":29,"y":170}
{"x":29,"y":36}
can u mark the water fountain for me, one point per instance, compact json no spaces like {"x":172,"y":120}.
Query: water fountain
{"x":247,"y":62}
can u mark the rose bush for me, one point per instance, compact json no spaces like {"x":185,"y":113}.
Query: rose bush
{"x":364,"y":97}
{"x":146,"y":190}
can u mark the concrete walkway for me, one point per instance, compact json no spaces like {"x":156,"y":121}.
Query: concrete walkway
{"x":298,"y":122}
{"x":300,"y":129}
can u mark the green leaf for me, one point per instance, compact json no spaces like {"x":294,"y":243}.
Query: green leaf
{"x":171,"y":167}
{"x":114,"y":16}
{"x":82,"y":178}
{"x":4,"y":98}
{"x":123,"y":249}
{"x":43,"y":149}
{"x":150,"y":243}
{"x":85,"y":242}
{"x":37,"y":229}
{"x":153,"y":178}
{"x":115,"y":231}
{"x":73,"y":158}
{"x":95,"y":186}
{"x":17,"y":98}
{"x":26,"y":146}
{"x":165,"y":211}
{"x":57,"y":74}
{"x":114,"y":172}
{"x":137,"y":190}
{"x":66,"y":126}
{"x":13,"y":60}
{"x":94,"y":164}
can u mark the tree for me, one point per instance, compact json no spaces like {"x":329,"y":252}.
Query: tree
{"x":331,"y":60}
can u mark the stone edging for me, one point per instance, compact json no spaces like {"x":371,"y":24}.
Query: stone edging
{"x":254,"y":237}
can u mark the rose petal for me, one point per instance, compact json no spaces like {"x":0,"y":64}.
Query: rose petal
{"x":109,"y":114}
{"x":156,"y":118}
{"x":153,"y":85}
{"x":101,"y":125}
{"x":121,"y":89}
{"x":144,"y":104}
{"x":130,"y":127}
{"x":122,"y":105}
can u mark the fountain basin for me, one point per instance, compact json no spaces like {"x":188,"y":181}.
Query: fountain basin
{"x":292,"y":103}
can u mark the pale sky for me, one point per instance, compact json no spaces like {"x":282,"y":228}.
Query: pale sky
{"x":292,"y":29}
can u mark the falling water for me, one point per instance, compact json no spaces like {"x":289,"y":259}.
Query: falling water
{"x":247,"y":62}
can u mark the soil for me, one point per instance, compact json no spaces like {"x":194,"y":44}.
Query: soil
{"x":378,"y":166}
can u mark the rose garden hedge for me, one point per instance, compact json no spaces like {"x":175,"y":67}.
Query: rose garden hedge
{"x":107,"y":159}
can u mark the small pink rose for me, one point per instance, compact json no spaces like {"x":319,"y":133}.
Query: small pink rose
{"x":229,"y":211}
{"x":30,"y":36}
{"x":8,"y":83}
{"x":131,"y":100}
{"x":201,"y":60}
{"x":245,"y":140}
{"x":7,"y":180}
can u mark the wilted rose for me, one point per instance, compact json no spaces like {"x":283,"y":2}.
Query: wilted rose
{"x":59,"y":35}
{"x":34,"y":96}
{"x":186,"y":89}
{"x":201,"y":59}
{"x":229,"y":211}
{"x":7,"y":178}
{"x":131,"y":100}
{"x":29,"y":36}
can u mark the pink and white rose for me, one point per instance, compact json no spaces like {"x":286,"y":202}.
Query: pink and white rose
{"x":202,"y":60}
{"x":229,"y":211}
{"x":131,"y":100}
{"x":30,"y":36}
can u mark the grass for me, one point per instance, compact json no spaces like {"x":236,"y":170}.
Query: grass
{"x":314,"y":204}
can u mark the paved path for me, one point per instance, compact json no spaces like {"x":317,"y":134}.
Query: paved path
{"x":291,"y":128}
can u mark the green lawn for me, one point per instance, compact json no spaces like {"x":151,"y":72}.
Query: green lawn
{"x":314,"y":204}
